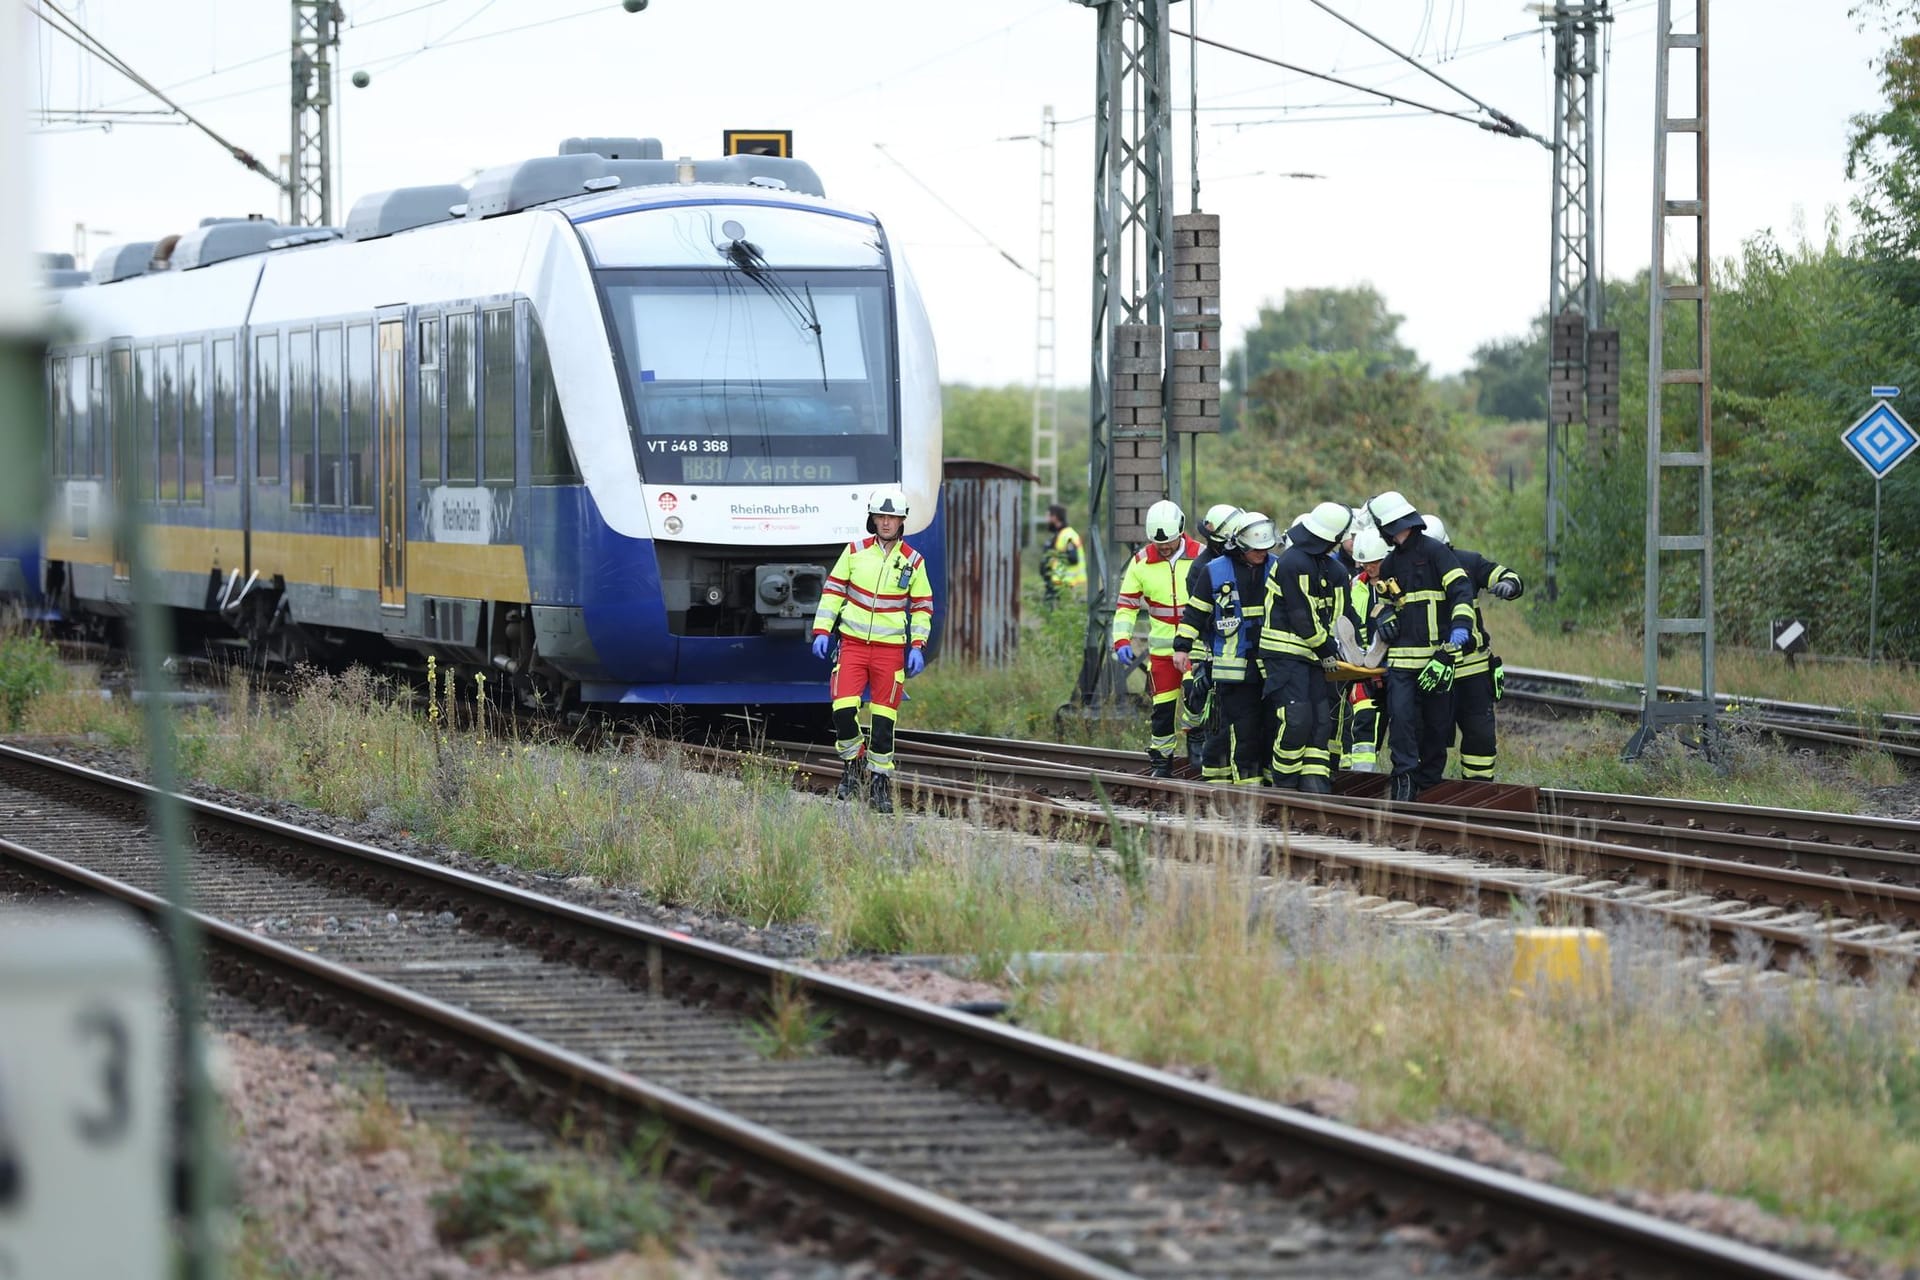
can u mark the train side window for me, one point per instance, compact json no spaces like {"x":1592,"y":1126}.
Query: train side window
{"x":433,"y":411}
{"x":80,"y":429}
{"x":552,"y":461}
{"x":461,"y":442}
{"x":266,"y":408}
{"x":167,"y":395}
{"x":496,"y":408}
{"x":300,"y":416}
{"x":193,"y":426}
{"x":97,"y":450}
{"x":142,"y":471}
{"x":358,"y":475}
{"x":121,"y":374}
{"x":226,"y":438}
{"x":330,"y":436}
{"x":57,"y":437}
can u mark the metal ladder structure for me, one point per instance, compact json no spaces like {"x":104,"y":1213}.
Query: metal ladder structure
{"x":1679,"y":517}
{"x":1046,"y":395}
{"x":316,"y":39}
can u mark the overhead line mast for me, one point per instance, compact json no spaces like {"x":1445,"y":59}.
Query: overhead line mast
{"x":316,"y":41}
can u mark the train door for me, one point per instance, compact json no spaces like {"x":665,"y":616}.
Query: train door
{"x":390,"y":401}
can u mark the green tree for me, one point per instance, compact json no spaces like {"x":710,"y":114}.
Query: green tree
{"x":1317,"y":321}
{"x":1883,"y":155}
{"x":1510,"y":375}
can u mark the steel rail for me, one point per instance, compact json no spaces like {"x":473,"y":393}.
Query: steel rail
{"x":724,"y":1150}
{"x":1161,"y":1114}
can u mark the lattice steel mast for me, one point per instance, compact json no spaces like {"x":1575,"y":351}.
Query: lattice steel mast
{"x":1046,"y":394}
{"x":1679,"y":473}
{"x":1132,"y":227}
{"x":1583,"y":374}
{"x":316,"y":37}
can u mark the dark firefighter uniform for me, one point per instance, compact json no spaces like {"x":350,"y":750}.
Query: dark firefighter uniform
{"x":1432,"y":600}
{"x":1207,"y":743}
{"x":1477,"y":676}
{"x":1306,"y":591}
{"x":1223,"y":619}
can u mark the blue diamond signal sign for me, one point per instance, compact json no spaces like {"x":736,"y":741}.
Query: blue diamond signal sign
{"x":1881,"y":439}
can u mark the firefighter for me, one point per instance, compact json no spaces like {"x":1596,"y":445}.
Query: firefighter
{"x":1063,"y":566}
{"x":1306,"y":592}
{"x":1479,"y":680}
{"x":1196,"y":701}
{"x":1222,"y":621}
{"x":1363,"y":702}
{"x":879,"y":598}
{"x":1156,"y":580}
{"x":1429,"y":624}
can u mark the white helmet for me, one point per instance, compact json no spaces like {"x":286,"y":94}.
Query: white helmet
{"x":887,"y":500}
{"x":1391,"y":513}
{"x":1252,"y":531}
{"x":1435,"y":529}
{"x":1219,"y":516}
{"x":1362,"y":519}
{"x":1165,"y":521}
{"x":1328,"y":521}
{"x":1368,"y":546}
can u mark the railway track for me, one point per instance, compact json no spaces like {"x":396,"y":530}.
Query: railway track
{"x":1820,"y":727}
{"x":920,"y":1139}
{"x":1807,"y":886}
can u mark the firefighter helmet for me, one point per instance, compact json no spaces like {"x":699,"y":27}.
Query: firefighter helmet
{"x":887,"y":500}
{"x":1393,"y":513}
{"x":1328,"y":521}
{"x":1368,"y":546}
{"x":1165,"y":521}
{"x":1253,"y":531}
{"x":1219,"y":516}
{"x":1362,"y":519}
{"x":1435,"y":529}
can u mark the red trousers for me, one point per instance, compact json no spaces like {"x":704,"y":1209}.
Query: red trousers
{"x":877,"y":670}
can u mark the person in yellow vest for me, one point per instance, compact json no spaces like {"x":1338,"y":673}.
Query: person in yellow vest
{"x":879,"y":598}
{"x":1063,"y":565}
{"x":1156,"y":582}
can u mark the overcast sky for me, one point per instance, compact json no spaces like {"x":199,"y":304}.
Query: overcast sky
{"x":1449,"y":222}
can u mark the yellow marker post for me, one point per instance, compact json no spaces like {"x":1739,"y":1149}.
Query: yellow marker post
{"x":1561,"y":962}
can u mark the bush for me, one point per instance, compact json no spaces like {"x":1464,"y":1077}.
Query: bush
{"x":29,"y":667}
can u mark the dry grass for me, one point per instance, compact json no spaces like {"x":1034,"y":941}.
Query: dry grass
{"x":1805,"y":1101}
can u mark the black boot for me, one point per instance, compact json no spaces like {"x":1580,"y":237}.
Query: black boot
{"x":1403,"y":788}
{"x":880,"y":793}
{"x":1285,"y":782}
{"x":1315,"y":785}
{"x":850,"y":779}
{"x":1158,"y":765}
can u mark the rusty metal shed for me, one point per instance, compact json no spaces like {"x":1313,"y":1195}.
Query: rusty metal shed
{"x":982,"y":503}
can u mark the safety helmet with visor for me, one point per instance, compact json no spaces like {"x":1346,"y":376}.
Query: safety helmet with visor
{"x":1165,"y":522}
{"x":1220,"y":515}
{"x":1328,"y":521}
{"x":1369,"y":547}
{"x":1437,"y":529}
{"x":887,"y":500}
{"x":1392,"y":513}
{"x":1253,"y":531}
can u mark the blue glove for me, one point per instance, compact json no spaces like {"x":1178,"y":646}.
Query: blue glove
{"x":1459,"y":637}
{"x":916,"y":663}
{"x":1124,"y":652}
{"x":821,"y":643}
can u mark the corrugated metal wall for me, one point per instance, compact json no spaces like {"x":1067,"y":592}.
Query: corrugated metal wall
{"x":982,"y":506}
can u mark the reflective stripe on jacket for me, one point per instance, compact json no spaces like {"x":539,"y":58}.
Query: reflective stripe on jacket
{"x":1222,"y":615}
{"x":1063,"y":563}
{"x":877,"y":593}
{"x":1156,"y":584}
{"x":1482,"y":573}
{"x":1306,"y":591}
{"x":1431,"y":594}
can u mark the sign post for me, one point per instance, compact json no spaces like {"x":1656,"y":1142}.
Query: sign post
{"x":1881,"y":440}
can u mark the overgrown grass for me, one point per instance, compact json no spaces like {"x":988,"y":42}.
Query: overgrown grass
{"x":1804,"y":1100}
{"x":507,"y":1209}
{"x":1750,"y":769}
{"x":29,"y":667}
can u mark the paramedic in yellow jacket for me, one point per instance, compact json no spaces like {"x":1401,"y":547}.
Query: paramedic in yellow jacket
{"x":1156,"y":581}
{"x":1063,"y":566}
{"x":879,"y":597}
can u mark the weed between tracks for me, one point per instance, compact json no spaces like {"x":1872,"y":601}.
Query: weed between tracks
{"x":1806,"y":1100}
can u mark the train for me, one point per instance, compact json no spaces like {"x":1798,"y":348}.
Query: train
{"x":600,"y":423}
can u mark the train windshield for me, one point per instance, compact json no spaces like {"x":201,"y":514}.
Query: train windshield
{"x":749,"y":374}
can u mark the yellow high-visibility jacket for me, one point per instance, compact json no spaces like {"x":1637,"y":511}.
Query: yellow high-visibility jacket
{"x":1063,"y":563}
{"x":877,"y":593}
{"x":1157,"y":584}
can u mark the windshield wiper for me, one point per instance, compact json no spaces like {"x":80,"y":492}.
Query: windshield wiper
{"x":745,"y":255}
